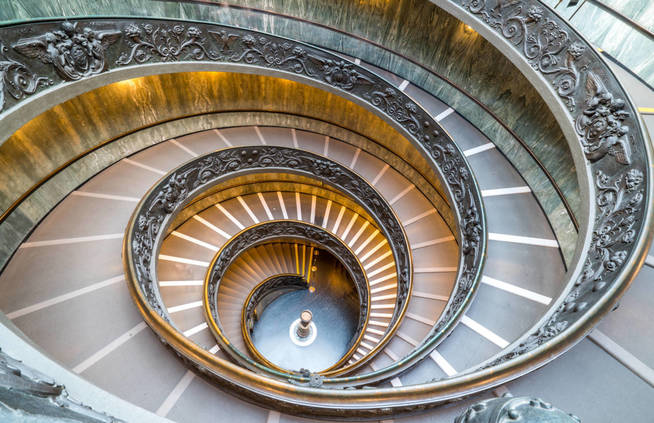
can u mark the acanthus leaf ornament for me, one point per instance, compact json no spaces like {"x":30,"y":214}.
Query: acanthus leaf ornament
{"x":340,"y":74}
{"x":404,"y":113}
{"x":74,"y":52}
{"x":278,"y":54}
{"x":546,"y":46}
{"x":16,"y":79}
{"x":554,"y":325}
{"x":169,"y":43}
{"x":617,"y":201}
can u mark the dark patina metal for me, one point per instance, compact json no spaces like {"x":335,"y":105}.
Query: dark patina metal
{"x":519,"y":409}
{"x":605,"y":122}
{"x":276,"y":231}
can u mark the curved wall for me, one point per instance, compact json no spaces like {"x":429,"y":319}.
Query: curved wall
{"x":67,"y":132}
{"x":422,"y":44}
{"x":576,"y":331}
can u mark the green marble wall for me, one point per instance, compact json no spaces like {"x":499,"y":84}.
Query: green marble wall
{"x":629,"y":46}
{"x":115,"y":112}
{"x":418,"y":29}
{"x":74,"y":127}
{"x":424,"y":35}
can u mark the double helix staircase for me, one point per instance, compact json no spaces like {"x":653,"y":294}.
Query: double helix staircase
{"x":501,"y":311}
{"x":174,"y":339}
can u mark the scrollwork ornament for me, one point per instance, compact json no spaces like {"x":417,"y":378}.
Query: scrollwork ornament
{"x":546,"y":46}
{"x":16,"y":79}
{"x":167,"y":42}
{"x":177,"y":187}
{"x":601,"y":126}
{"x":74,"y":52}
{"x":341,"y":74}
{"x":618,"y":199}
{"x":235,"y":45}
{"x":404,"y":112}
{"x":273,"y":53}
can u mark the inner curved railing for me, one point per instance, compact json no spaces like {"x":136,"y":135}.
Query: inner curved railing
{"x":121,"y":43}
{"x":257,"y":300}
{"x":158,"y":208}
{"x":272,"y":231}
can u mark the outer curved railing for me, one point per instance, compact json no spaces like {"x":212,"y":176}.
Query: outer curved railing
{"x":273,"y":231}
{"x":616,"y":155}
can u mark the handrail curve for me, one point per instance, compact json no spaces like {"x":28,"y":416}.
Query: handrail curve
{"x":616,"y":157}
{"x":608,"y":139}
{"x":159,"y":206}
{"x":272,"y":231}
{"x":613,"y":147}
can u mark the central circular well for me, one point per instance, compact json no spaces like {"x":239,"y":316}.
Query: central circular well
{"x":331,"y":297}
{"x":302,"y":341}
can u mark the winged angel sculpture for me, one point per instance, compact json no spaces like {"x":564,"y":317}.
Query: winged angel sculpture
{"x":73,"y":51}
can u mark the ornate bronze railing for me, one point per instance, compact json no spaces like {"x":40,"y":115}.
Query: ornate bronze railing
{"x":174,"y":191}
{"x":114,"y":45}
{"x":279,"y":230}
{"x":607,"y":141}
{"x":613,"y":157}
{"x":258,"y":300}
{"x":611,"y":152}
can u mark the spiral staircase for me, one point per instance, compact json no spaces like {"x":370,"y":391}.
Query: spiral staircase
{"x":272,"y":213}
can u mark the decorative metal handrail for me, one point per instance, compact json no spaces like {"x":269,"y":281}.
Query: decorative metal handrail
{"x":593,"y":109}
{"x":278,"y":230}
{"x":48,"y":55}
{"x":603,"y":128}
{"x":260,"y":297}
{"x":58,"y":53}
{"x":158,"y":208}
{"x":617,"y":156}
{"x":523,"y":144}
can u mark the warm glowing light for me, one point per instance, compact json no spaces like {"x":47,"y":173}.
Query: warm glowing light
{"x":468,"y":29}
{"x":128,"y":83}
